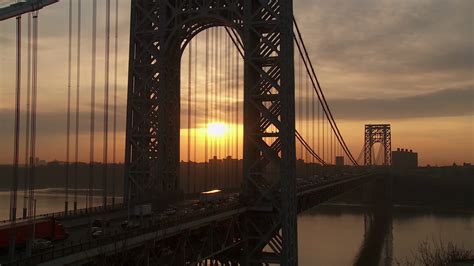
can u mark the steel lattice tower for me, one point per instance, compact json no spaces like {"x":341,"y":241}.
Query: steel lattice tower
{"x":379,"y":133}
{"x":160,"y":31}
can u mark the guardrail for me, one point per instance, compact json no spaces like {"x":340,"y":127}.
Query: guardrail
{"x":72,"y":213}
{"x":150,"y":226}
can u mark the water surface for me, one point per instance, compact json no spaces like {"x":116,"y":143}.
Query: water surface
{"x":327,"y":235}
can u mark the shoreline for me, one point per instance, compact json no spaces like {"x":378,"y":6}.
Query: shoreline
{"x":459,"y":210}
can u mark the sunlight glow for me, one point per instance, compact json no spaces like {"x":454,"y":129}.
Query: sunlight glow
{"x":217,"y":129}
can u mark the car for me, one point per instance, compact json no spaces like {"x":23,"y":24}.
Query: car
{"x":95,"y":229}
{"x":126,"y":225}
{"x":100,"y":223}
{"x":170,"y":211}
{"x":41,"y":244}
{"x":97,"y":233}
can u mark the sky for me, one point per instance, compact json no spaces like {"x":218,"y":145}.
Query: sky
{"x":407,"y":63}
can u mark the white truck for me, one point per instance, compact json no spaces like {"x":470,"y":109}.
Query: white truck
{"x":211,"y":196}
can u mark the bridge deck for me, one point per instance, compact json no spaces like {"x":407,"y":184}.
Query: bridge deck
{"x":80,"y":246}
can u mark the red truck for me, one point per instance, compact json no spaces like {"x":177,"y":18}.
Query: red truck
{"x":45,"y":228}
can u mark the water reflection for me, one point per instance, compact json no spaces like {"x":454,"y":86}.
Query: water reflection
{"x":333,"y":235}
{"x":50,"y":200}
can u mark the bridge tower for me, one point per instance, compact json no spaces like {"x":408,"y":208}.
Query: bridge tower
{"x":378,"y":133}
{"x":160,"y":31}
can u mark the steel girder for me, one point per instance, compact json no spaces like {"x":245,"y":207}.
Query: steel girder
{"x":160,"y":31}
{"x":212,"y":244}
{"x":379,"y":133}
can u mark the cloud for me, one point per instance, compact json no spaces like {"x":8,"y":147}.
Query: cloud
{"x":402,"y":46}
{"x":443,"y":103}
{"x":53,"y":123}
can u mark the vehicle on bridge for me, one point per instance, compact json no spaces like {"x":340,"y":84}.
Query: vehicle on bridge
{"x":46,"y":228}
{"x":41,"y":244}
{"x":211,"y":196}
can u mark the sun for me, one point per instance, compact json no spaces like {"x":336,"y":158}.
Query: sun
{"x":216,"y":129}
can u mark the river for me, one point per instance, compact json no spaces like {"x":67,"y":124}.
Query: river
{"x":328,"y":235}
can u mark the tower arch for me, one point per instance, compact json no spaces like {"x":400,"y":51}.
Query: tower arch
{"x":159,"y":32}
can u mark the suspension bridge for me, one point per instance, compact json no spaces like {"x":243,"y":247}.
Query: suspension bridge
{"x":222,"y":96}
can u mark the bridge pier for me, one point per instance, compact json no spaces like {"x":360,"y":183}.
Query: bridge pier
{"x":377,"y":246}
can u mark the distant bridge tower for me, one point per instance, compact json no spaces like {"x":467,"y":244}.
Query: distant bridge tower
{"x":378,"y":133}
{"x":159,"y":33}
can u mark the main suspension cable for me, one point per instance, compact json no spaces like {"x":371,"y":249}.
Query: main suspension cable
{"x":321,"y":97}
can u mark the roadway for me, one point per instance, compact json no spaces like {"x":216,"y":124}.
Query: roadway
{"x":185,"y":214}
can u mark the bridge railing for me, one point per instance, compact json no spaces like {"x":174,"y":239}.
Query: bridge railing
{"x":72,"y":213}
{"x":151,"y":226}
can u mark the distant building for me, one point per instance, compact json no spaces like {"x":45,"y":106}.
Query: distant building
{"x":339,"y":161}
{"x":404,"y":159}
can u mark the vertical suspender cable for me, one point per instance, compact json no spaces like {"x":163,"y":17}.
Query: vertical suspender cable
{"x":233,"y":121}
{"x":31,"y":196}
{"x":27,"y":124}
{"x":214,"y":105}
{"x":221,"y":110}
{"x":307,"y":120}
{"x":226,"y":105}
{"x":89,"y":201}
{"x":322,"y":136}
{"x":68,"y":114}
{"x":195,"y":116}
{"x":78,"y":83}
{"x":230,"y":60}
{"x":106,"y":104}
{"x":16,"y":141}
{"x":332,"y":155}
{"x":319,"y":135}
{"x":328,"y":143}
{"x":188,"y":175}
{"x":330,"y":146}
{"x":237,"y":88}
{"x":228,"y":113}
{"x":218,"y":103}
{"x":114,"y":138}
{"x":300,"y":105}
{"x":216,"y":93}
{"x":211,"y":105}
{"x":334,"y":148}
{"x":206,"y":115}
{"x":313,"y":142}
